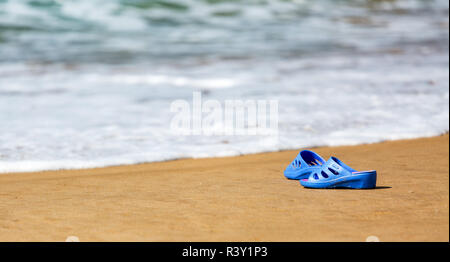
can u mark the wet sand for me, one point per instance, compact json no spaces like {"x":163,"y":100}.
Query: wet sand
{"x":243,"y":198}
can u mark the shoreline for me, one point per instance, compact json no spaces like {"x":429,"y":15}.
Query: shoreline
{"x":213,"y":157}
{"x":240,"y":198}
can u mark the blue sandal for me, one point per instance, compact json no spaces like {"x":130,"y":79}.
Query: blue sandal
{"x":304,"y":165}
{"x":335,"y":174}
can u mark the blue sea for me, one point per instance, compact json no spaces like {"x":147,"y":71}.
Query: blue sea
{"x":89,"y":83}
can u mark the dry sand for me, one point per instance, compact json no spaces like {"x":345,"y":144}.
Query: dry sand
{"x":242,"y":198}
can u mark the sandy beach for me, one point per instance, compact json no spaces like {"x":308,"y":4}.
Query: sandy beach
{"x":243,"y":198}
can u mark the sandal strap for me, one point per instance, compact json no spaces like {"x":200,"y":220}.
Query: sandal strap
{"x":330,"y":170}
{"x":315,"y":159}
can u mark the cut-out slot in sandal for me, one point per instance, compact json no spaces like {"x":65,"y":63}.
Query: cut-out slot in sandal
{"x":303,"y":165}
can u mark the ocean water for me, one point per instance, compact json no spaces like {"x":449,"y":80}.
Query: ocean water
{"x":89,"y":83}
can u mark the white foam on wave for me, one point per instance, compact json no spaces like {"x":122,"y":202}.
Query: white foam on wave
{"x":92,"y":117}
{"x":177,"y":81}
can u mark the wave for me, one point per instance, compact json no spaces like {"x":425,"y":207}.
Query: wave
{"x":90,"y":83}
{"x":118,"y":31}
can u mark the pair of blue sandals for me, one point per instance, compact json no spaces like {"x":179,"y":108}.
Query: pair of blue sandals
{"x":314,"y":172}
